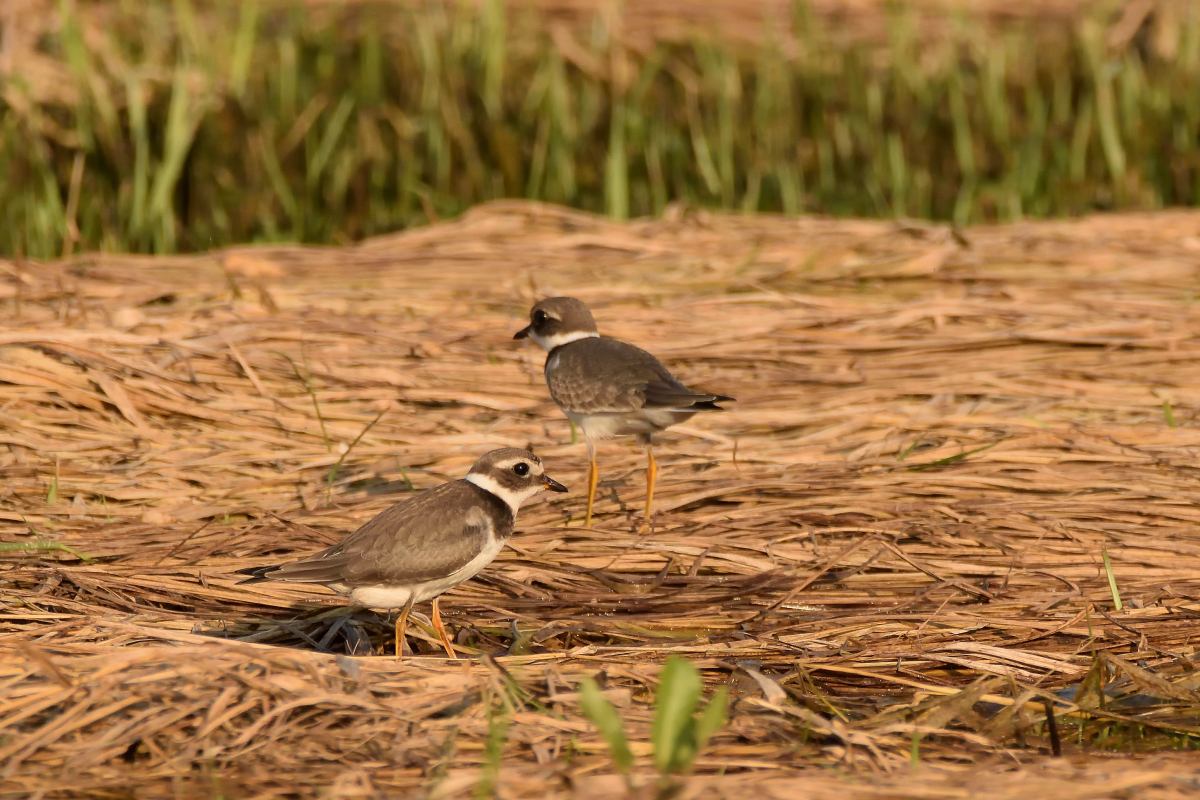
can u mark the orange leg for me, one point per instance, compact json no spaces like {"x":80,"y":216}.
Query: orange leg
{"x":436,"y":618}
{"x":401,"y":624}
{"x":593,"y":482}
{"x":651,"y":477}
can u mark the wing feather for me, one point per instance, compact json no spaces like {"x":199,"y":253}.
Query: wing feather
{"x":607,"y":376}
{"x":426,"y":537}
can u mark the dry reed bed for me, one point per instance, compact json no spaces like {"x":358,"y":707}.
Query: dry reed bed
{"x":899,"y":528}
{"x":645,"y":23}
{"x":191,"y":125}
{"x":639,"y":25}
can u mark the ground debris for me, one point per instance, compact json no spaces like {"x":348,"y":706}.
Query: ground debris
{"x":890,"y":548}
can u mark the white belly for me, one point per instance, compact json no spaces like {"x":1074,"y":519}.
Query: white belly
{"x":396,"y":596}
{"x":606,"y":426}
{"x":597,"y":426}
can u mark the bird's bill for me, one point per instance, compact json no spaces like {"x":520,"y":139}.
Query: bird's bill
{"x":552,"y":484}
{"x":521,"y":334}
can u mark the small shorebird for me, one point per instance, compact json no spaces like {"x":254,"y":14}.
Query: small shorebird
{"x":608,"y":387}
{"x":423,"y":546}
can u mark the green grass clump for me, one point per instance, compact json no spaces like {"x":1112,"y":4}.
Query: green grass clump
{"x":681,"y":727}
{"x":173,"y":126}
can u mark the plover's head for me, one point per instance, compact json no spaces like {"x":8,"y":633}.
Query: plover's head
{"x":513,"y":475}
{"x":556,"y":321}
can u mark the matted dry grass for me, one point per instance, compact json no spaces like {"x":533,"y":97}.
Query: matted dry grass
{"x":897,"y":533}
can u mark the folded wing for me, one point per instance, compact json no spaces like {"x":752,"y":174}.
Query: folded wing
{"x":426,"y":537}
{"x":606,"y":376}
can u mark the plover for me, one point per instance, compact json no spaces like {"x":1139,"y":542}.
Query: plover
{"x":608,"y":387}
{"x":423,"y":546}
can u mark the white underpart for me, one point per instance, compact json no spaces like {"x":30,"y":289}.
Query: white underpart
{"x":559,"y":339}
{"x":598,"y":426}
{"x":512,"y":498}
{"x":607,"y":426}
{"x":397,"y":596}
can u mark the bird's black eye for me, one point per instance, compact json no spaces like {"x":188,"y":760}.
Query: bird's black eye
{"x":539,"y":317}
{"x":521,"y":468}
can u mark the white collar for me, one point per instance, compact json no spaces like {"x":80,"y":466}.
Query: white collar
{"x":548,"y":343}
{"x":490,"y":485}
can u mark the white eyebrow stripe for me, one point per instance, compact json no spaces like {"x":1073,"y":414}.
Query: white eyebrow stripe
{"x":512,"y":462}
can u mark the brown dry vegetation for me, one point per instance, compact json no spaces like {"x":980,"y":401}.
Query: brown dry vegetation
{"x":755,"y":21}
{"x":897,"y":533}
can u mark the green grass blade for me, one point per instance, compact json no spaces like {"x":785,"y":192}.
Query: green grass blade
{"x":52,"y":489}
{"x":1112,"y":580}
{"x":616,"y":170}
{"x":493,"y":752}
{"x":43,"y":546}
{"x":336,"y":468}
{"x":76,"y":52}
{"x":177,"y":136}
{"x":954,"y":459}
{"x":603,"y":715}
{"x":679,"y":690}
{"x":329,"y":139}
{"x":136,"y":103}
{"x":1169,"y":414}
{"x":243,"y":47}
{"x":713,"y":718}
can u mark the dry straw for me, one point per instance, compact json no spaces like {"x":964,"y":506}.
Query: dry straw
{"x":892,"y":549}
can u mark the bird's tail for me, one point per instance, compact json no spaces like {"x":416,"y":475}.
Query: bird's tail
{"x":711,"y":404}
{"x":257,"y":574}
{"x":680,"y":398}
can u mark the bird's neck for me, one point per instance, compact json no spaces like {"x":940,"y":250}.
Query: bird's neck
{"x":556,"y":340}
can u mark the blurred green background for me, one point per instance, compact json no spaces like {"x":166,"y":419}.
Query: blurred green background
{"x":175,"y":126}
